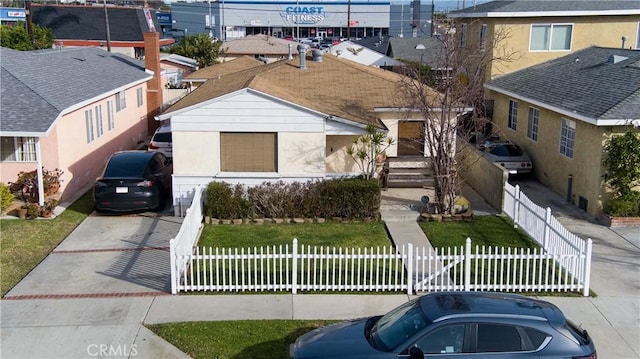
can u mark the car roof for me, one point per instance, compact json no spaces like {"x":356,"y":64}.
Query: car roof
{"x":442,"y":305}
{"x":129,"y":163}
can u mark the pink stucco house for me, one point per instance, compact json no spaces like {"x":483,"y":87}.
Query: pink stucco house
{"x":72,"y":108}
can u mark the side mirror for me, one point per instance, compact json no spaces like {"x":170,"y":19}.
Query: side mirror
{"x":416,"y":353}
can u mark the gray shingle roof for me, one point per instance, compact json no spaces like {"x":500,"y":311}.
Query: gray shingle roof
{"x":586,"y":83}
{"x":524,"y":6}
{"x":404,"y":48}
{"x":38,"y":86}
{"x":88,"y":22}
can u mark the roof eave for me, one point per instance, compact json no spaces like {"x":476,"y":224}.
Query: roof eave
{"x":523,"y":14}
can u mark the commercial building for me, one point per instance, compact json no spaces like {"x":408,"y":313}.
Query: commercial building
{"x":233,"y":19}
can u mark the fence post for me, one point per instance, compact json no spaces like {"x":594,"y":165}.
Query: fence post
{"x":587,"y":268}
{"x":467,"y":265}
{"x":294,"y":267}
{"x":410,"y":269}
{"x":516,"y":205}
{"x":172,"y":261}
{"x":547,"y":231}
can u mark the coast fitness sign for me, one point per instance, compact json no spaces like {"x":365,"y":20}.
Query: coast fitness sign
{"x":304,"y":14}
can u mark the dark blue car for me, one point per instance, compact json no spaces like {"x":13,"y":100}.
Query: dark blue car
{"x":133,"y":180}
{"x":454,"y":325}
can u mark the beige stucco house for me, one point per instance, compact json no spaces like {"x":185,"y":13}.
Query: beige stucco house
{"x":291,"y":120}
{"x":263,"y":47}
{"x":533,"y":32}
{"x":563,"y":111}
{"x":70,"y":109}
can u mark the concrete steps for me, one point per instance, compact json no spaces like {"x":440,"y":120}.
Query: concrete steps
{"x":409,"y":172}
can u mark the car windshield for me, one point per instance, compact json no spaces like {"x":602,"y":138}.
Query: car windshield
{"x":398,"y":325}
{"x":506,"y":151}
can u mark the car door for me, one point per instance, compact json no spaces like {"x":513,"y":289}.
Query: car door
{"x":160,"y":170}
{"x":444,"y":341}
{"x":501,"y":341}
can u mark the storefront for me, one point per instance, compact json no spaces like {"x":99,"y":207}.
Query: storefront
{"x":300,"y":19}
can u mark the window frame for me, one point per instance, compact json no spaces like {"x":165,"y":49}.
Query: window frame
{"x":111,"y":124}
{"x":19,"y":144}
{"x":533,"y":123}
{"x":638,"y":36}
{"x":549,"y":39}
{"x":88,"y":122}
{"x":99,"y":127}
{"x":512,"y":116}
{"x":483,"y":36}
{"x":139,"y":96}
{"x":567,"y":137}
{"x":121,"y":101}
{"x":463,"y":35}
{"x":240,"y":152}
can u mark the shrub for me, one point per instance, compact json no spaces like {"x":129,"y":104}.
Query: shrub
{"x":218,"y":199}
{"x":6,"y":197}
{"x":33,"y":210}
{"x":26,"y":186}
{"x":627,"y":205}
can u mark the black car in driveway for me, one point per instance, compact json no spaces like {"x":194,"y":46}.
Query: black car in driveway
{"x":454,"y":325}
{"x":133,"y":180}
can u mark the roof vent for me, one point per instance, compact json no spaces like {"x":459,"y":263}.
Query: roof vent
{"x":302,"y":49}
{"x":290,"y":57}
{"x":317,"y":55}
{"x":614,"y":59}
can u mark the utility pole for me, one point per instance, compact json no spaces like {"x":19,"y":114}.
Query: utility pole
{"x":349,"y":20}
{"x":106,"y":21}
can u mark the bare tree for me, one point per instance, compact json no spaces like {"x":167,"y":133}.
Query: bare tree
{"x":448,"y":96}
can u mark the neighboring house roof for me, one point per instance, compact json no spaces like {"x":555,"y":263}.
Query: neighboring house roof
{"x":375,"y":43}
{"x":335,"y":87}
{"x":224,"y":68}
{"x":362,"y":55}
{"x":259,"y":45}
{"x":126,"y":24}
{"x":424,"y":50}
{"x":40,"y":86}
{"x":528,"y":8}
{"x":597,"y":85}
{"x":179,"y":60}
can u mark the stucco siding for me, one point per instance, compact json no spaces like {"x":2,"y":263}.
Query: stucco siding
{"x":196,"y":153}
{"x":579,"y":176}
{"x":605,"y":31}
{"x":301,"y":153}
{"x":338,"y":161}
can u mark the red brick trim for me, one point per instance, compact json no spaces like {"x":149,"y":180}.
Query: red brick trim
{"x":94,"y":295}
{"x":618,"y":221}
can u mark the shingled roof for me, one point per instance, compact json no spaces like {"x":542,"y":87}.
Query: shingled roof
{"x":259,"y":44}
{"x":39,"y":86}
{"x":334,"y":87}
{"x":423,"y":50}
{"x":74,"y":22}
{"x":224,"y":68}
{"x":528,"y":8}
{"x":593,"y":84}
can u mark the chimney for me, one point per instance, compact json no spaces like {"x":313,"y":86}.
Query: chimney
{"x":302,"y":49}
{"x":154,"y":86}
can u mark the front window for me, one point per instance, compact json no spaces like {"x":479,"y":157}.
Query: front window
{"x":99,"y":129}
{"x":567,"y":137}
{"x":551,"y":37}
{"x":513,"y":115}
{"x":398,"y":325}
{"x":111,"y":124}
{"x":445,"y":340}
{"x":463,"y":35}
{"x":483,"y":36}
{"x":18,"y":149}
{"x":532,"y":128}
{"x":248,"y":152}
{"x":121,"y":101}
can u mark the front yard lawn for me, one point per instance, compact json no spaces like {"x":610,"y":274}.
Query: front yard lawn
{"x":255,"y":339}
{"x":25,"y":243}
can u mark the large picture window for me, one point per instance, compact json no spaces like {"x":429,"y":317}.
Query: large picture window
{"x":512,"y":121}
{"x":18,"y":149}
{"x":248,"y":152}
{"x":551,"y":37}
{"x":567,"y":137}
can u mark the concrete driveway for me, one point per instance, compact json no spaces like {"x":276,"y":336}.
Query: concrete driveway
{"x":106,"y":256}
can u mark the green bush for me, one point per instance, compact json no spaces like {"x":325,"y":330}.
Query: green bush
{"x":6,"y":197}
{"x":347,"y":198}
{"x":627,"y":205}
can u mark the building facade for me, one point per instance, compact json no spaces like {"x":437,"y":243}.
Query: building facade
{"x":233,"y":19}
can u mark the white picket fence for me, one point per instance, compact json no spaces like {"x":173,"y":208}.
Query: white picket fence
{"x":300,"y":268}
{"x":550,"y":234}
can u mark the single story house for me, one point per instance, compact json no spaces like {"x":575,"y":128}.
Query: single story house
{"x":363,"y":55}
{"x":291,"y":120}
{"x":204,"y":74}
{"x":71,"y":108}
{"x":564,"y":110}
{"x":263,"y":47}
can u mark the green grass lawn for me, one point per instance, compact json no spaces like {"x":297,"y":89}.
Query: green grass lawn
{"x":25,"y":243}
{"x":255,"y":339}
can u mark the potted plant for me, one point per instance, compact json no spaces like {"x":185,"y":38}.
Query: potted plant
{"x":49,"y":206}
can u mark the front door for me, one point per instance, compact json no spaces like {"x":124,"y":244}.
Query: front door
{"x":410,"y":138}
